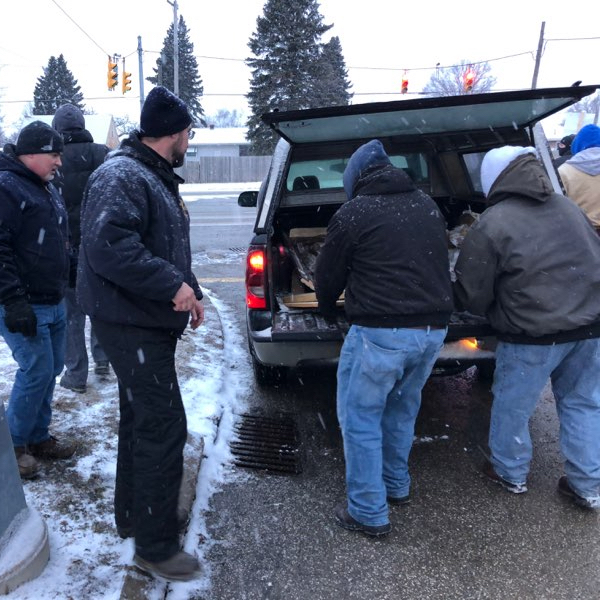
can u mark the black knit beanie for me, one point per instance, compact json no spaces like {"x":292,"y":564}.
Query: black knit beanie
{"x":38,"y":138}
{"x":163,"y":114}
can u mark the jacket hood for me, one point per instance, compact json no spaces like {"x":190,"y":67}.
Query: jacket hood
{"x":588,"y":137}
{"x":524,"y":177}
{"x":496,"y":160}
{"x":383,"y":180}
{"x":369,"y":155}
{"x":587,"y":161}
{"x":68,"y":118}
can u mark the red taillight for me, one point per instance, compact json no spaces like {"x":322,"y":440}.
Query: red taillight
{"x":255,"y":279}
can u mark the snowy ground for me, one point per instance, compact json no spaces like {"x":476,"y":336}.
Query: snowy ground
{"x":87,"y":558}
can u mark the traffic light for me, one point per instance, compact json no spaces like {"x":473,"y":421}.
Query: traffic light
{"x":126,"y":82}
{"x":405,"y":84}
{"x":469,"y":80}
{"x":112,"y":75}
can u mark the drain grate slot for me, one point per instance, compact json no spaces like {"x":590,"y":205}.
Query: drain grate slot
{"x":269,"y":443}
{"x":238,"y":249}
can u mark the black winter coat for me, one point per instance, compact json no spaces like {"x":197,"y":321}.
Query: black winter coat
{"x":135,"y":245}
{"x":34,"y":238}
{"x":80,"y":158}
{"x":388,"y":248}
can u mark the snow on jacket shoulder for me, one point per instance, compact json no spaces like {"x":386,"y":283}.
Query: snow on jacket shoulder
{"x":135,"y":248}
{"x":387,"y":247}
{"x":531,"y":263}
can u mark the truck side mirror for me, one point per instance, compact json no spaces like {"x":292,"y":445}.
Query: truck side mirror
{"x":247,"y":199}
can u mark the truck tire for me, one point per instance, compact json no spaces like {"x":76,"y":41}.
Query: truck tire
{"x":264,"y":375}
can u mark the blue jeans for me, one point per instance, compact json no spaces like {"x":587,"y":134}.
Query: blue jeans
{"x":522,"y":371}
{"x":76,"y":356}
{"x":380,"y":376}
{"x":40,"y":360}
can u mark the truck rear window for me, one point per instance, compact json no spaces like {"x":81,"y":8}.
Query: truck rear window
{"x":308,"y":175}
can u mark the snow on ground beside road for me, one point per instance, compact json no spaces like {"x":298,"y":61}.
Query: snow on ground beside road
{"x":75,"y":497}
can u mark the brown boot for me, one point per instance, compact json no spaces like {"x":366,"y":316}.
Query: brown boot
{"x":28,"y":466}
{"x":52,"y":448}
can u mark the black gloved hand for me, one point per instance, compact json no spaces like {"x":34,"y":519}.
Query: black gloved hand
{"x":20,"y":318}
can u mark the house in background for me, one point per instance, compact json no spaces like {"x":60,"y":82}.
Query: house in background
{"x":564,"y":123}
{"x":102,"y":127}
{"x":221,"y":155}
{"x":218,"y":141}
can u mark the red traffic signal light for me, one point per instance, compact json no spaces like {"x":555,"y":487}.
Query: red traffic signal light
{"x":469,"y":80}
{"x":112,"y":75}
{"x":404,"y":84}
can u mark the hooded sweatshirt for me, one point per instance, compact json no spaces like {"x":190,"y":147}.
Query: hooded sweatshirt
{"x":387,"y":247}
{"x":531,"y":264}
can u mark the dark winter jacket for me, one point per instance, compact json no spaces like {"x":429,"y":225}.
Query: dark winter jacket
{"x":80,"y":158}
{"x":34,"y":239}
{"x":531,"y":264}
{"x":135,"y":245}
{"x":387,"y":247}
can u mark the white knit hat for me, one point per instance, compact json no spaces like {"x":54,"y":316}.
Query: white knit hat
{"x":496,"y":160}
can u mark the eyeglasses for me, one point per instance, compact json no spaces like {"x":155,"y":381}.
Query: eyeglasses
{"x":191,"y":134}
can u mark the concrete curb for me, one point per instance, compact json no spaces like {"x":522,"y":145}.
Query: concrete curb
{"x":26,"y":553}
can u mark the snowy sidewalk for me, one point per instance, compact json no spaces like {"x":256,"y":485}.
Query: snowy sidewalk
{"x":75,"y":497}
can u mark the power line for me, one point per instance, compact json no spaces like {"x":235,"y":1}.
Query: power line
{"x":79,"y":27}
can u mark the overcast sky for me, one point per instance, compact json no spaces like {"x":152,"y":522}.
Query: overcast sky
{"x":379,"y":38}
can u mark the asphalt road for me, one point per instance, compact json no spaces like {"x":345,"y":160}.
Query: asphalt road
{"x":274,"y":536}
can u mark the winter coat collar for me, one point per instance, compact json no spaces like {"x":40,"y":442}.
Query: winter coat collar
{"x":523,"y":178}
{"x":383,"y":181}
{"x":77,"y":136}
{"x":10,"y":162}
{"x":587,"y":161}
{"x":134,"y":148}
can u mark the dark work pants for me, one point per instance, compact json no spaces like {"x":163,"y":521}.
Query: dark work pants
{"x":152,"y":434}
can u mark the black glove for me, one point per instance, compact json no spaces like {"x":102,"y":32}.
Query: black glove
{"x":20,"y":318}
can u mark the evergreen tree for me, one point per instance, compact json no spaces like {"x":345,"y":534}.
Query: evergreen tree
{"x":291,"y":69}
{"x":190,"y":83}
{"x":333,"y":86}
{"x":56,"y":87}
{"x":450,"y":81}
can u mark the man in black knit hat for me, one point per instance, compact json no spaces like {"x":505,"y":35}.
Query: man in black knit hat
{"x":135,"y":281}
{"x":81,"y":156}
{"x":35,"y":259}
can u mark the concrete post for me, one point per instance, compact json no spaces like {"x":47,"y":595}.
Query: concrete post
{"x":24,"y":548}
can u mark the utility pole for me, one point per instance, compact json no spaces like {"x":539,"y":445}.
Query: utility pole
{"x":538,"y":57}
{"x":141,"y":71}
{"x":175,"y":48}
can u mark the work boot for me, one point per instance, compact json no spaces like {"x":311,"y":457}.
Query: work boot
{"x":52,"y":448}
{"x":102,"y":368}
{"x":345,"y":520}
{"x":28,"y":466}
{"x":181,"y":567}
{"x":514,"y":488}
{"x":565,"y":489}
{"x":80,"y":389}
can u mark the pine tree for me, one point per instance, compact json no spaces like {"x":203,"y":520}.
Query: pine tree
{"x":333,"y":87}
{"x":450,"y":81}
{"x":190,"y":83}
{"x":56,"y":87}
{"x":290,"y":67}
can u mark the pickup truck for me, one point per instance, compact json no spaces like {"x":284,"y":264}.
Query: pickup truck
{"x":440,"y":142}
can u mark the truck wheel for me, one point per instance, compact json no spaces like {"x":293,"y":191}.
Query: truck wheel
{"x":268,"y":376}
{"x":264,"y":375}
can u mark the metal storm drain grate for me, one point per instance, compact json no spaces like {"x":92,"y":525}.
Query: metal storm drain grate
{"x":269,"y":443}
{"x":238,"y":250}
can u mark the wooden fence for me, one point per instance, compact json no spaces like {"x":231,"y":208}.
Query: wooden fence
{"x":225,"y":169}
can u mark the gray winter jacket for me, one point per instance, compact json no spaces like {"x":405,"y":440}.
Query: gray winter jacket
{"x":531,"y":264}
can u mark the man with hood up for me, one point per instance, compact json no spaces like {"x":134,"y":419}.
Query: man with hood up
{"x":531,"y":265}
{"x":387,"y":248}
{"x":81,"y":157}
{"x":581,"y":173}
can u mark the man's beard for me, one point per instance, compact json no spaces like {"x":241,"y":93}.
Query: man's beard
{"x":178,"y":159}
